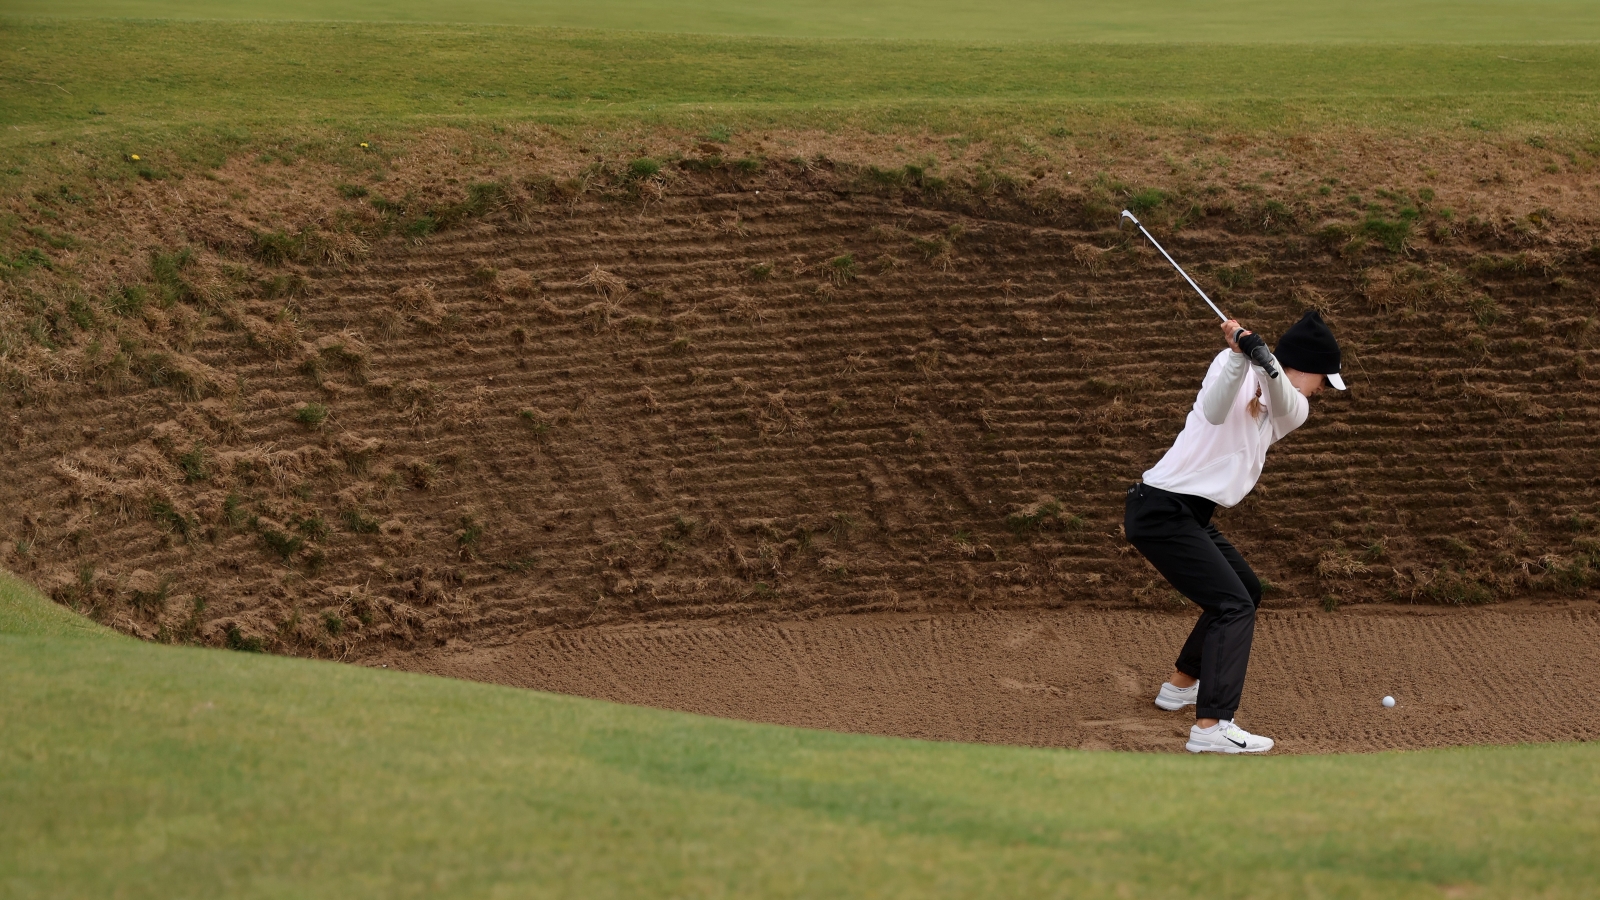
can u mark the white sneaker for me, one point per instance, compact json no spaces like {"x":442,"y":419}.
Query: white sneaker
{"x":1226,"y":737}
{"x":1172,"y":697}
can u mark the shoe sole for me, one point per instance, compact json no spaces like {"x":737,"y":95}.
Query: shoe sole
{"x":1213,"y":748}
{"x":1169,"y":706}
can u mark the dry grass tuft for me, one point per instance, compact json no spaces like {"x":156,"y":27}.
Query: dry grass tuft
{"x":514,"y":283}
{"x":419,"y":305}
{"x":1090,"y":257}
{"x":279,"y":340}
{"x":1411,"y":288}
{"x":417,"y":400}
{"x":743,"y":308}
{"x":1339,"y":564}
{"x":605,"y":284}
{"x":1309,"y":297}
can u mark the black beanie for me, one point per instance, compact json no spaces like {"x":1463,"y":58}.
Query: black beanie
{"x":1309,"y":346}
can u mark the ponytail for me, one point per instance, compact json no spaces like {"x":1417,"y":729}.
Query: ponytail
{"x":1256,"y":408}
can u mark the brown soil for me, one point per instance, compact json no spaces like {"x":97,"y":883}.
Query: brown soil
{"x":1086,"y":678}
{"x":817,"y":388}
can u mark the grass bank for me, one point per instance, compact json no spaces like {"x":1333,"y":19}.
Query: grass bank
{"x":136,"y":770}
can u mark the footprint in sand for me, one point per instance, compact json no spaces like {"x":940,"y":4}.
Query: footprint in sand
{"x":1126,"y":682}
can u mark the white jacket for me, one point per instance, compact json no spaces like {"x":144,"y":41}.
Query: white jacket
{"x":1220,"y":452}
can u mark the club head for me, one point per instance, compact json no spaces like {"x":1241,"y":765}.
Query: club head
{"x":1129,"y":216}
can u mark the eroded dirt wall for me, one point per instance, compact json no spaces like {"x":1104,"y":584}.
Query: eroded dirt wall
{"x":774,"y":396}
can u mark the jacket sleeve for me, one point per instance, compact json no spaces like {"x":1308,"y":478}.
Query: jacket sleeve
{"x":1222,"y":387}
{"x":1283,"y":401}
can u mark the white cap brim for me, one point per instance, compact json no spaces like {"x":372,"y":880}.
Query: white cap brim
{"x":1336,"y":381}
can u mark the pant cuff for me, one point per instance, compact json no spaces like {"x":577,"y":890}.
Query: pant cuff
{"x":1212,"y":712}
{"x":1195,"y":673}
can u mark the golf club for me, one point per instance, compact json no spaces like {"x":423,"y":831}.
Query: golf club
{"x":1259,"y":354}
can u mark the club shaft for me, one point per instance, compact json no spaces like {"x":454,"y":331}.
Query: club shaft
{"x":1182,"y":272}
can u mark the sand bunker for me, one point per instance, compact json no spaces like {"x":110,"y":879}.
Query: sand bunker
{"x":1085,"y":678}
{"x":759,"y":398}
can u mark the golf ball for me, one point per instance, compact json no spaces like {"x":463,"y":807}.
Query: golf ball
{"x":1388,"y":702}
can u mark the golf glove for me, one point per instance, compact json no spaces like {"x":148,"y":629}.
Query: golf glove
{"x":1254,"y":347}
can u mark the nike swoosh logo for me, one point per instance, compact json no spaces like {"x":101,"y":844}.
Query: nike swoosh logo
{"x":1234,"y":742}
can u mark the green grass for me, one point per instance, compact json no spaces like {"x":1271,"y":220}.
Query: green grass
{"x":1226,"y":21}
{"x":138,"y":85}
{"x":136,"y":770}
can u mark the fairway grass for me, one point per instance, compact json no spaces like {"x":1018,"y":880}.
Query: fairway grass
{"x":78,"y":80}
{"x":1213,"y":21}
{"x":139,"y":770}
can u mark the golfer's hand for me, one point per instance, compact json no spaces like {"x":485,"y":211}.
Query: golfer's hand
{"x":1229,"y":328}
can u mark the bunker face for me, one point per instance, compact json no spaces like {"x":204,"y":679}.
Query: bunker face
{"x":646,"y":405}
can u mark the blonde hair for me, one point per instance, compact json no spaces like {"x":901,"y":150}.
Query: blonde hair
{"x":1256,"y":408}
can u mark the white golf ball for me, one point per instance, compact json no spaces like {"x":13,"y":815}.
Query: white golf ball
{"x":1388,"y":702}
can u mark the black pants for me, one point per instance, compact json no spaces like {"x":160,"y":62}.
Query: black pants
{"x":1175,"y":533}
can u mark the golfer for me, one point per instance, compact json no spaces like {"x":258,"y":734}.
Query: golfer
{"x":1214,"y":462}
